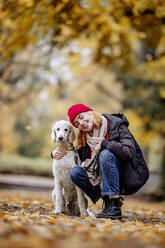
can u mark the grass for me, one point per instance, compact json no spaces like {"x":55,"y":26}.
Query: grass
{"x":14,"y":164}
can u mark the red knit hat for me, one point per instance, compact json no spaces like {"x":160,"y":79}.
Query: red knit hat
{"x":76,"y":109}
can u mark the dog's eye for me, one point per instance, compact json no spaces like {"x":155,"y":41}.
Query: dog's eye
{"x":65,"y":129}
{"x":58,"y":129}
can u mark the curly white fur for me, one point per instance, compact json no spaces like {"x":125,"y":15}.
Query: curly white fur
{"x":68,"y":198}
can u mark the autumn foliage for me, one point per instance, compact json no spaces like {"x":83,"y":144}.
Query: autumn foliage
{"x":54,"y":53}
{"x":26,"y":221}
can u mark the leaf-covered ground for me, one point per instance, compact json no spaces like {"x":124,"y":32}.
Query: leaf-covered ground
{"x":26,"y":221}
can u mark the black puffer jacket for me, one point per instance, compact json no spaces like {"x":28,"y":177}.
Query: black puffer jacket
{"x":134,"y":171}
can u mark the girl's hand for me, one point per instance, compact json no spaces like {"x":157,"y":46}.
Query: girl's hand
{"x":58,"y":154}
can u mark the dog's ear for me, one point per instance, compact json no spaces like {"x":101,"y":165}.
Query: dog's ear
{"x":53,"y":135}
{"x":72,"y":135}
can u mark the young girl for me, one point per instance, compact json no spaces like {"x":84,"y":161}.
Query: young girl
{"x":106,"y":149}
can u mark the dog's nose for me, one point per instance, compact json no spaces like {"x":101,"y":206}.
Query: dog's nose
{"x":60,"y":138}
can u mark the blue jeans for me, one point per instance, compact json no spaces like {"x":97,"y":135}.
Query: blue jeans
{"x":109,"y":166}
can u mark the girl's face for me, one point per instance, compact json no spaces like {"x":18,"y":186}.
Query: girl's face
{"x":84,"y":121}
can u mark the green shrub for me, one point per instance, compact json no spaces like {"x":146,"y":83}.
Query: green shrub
{"x":26,"y":166}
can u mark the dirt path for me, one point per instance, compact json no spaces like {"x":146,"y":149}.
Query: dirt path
{"x":36,"y":183}
{"x":26,"y":221}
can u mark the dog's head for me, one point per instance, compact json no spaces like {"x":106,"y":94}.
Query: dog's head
{"x":63,"y":132}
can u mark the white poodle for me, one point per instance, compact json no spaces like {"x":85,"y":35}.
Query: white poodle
{"x":68,"y":198}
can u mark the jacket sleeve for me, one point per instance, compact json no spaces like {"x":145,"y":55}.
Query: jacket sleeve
{"x":124,"y":148}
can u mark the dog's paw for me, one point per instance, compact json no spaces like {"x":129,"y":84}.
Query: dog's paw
{"x":56,"y":212}
{"x":84,"y":214}
{"x":91,"y":214}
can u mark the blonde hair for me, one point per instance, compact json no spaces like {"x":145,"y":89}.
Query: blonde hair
{"x":81,"y":136}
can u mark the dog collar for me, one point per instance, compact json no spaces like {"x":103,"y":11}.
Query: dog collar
{"x":69,"y":148}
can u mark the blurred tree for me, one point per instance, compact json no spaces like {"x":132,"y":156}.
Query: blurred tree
{"x":128,"y":36}
{"x":147,"y":98}
{"x":116,"y":25}
{"x":32,"y":140}
{"x":8,"y":138}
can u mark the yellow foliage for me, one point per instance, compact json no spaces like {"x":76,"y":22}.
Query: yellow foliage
{"x":154,"y":70}
{"x":114,"y":31}
{"x":27,"y":221}
{"x":137,"y":127}
{"x":27,"y":3}
{"x":119,"y":23}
